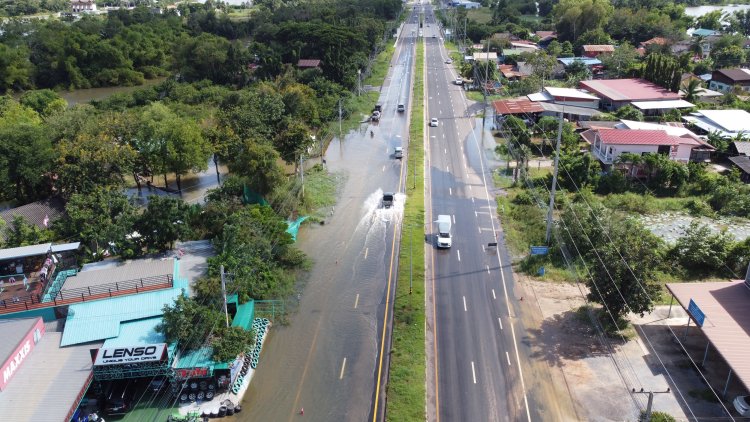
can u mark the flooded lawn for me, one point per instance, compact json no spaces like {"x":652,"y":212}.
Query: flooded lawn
{"x":670,"y":226}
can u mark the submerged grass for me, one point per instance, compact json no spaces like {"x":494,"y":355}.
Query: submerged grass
{"x":406,"y":386}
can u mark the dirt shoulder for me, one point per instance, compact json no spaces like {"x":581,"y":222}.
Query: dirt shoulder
{"x":601,"y":372}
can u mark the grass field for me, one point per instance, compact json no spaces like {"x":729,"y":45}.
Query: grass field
{"x":406,"y":387}
{"x":483,"y":15}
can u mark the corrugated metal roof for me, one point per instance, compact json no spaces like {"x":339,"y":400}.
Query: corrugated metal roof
{"x":198,"y":358}
{"x":604,"y":48}
{"x":65,"y":247}
{"x":46,"y":386}
{"x":127,"y":271}
{"x":659,"y":105}
{"x":24,"y":251}
{"x":36,"y":212}
{"x":727,"y":309}
{"x":101,"y":319}
{"x":518,"y":106}
{"x":13,"y":331}
{"x":135,"y":333}
{"x":568,"y":109}
{"x":742,"y":147}
{"x":588,"y":61}
{"x":742,"y":162}
{"x":628,"y":90}
{"x":636,"y":137}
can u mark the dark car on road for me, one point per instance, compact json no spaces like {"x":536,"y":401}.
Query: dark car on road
{"x":388,"y":198}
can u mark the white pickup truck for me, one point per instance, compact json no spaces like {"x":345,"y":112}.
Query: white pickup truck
{"x":444,"y":231}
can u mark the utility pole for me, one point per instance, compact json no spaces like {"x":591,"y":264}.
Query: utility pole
{"x":340,"y":134}
{"x":359,"y":82}
{"x":484,"y":89}
{"x":647,"y":414}
{"x":554,"y":180}
{"x":224,"y":294}
{"x":302,"y":174}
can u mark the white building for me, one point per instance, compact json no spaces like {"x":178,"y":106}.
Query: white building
{"x":83,"y":6}
{"x":727,"y":123}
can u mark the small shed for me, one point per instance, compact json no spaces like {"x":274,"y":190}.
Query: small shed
{"x":743,"y":163}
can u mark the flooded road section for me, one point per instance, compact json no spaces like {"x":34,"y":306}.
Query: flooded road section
{"x":325,"y":360}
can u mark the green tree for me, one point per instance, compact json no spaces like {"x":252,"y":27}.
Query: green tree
{"x":620,"y":63}
{"x":691,"y":90}
{"x":629,"y":113}
{"x":258,"y":163}
{"x":22,"y":233}
{"x":701,"y":250}
{"x":188,"y":323}
{"x":46,"y":102}
{"x":164,"y":221}
{"x":620,"y":255}
{"x":729,"y":56}
{"x":541,"y":64}
{"x":90,"y":162}
{"x":228,"y":343}
{"x":256,"y":248}
{"x":15,"y":68}
{"x":98,"y":218}
{"x":293,"y":142}
{"x":710,"y":20}
{"x":577,"y":16}
{"x":25,"y":153}
{"x":185,"y":149}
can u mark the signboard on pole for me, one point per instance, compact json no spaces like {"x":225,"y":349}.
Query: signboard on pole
{"x":137,"y":354}
{"x":539,"y":250}
{"x":698,"y":316}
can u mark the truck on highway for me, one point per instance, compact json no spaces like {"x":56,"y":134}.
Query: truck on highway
{"x":444,"y":231}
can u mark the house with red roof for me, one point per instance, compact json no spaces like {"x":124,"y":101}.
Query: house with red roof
{"x":308,"y":63}
{"x":607,"y":145}
{"x":616,"y":93}
{"x":595,"y":50}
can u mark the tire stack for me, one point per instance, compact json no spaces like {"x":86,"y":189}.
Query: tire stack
{"x":260,"y":325}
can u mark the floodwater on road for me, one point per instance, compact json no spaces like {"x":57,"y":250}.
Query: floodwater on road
{"x":324,"y":360}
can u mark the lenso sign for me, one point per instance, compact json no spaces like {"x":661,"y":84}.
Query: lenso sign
{"x":138,"y":354}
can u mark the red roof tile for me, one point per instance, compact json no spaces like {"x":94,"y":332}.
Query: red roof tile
{"x":638,"y":137}
{"x":308,"y":63}
{"x":628,"y":90}
{"x":519,"y":106}
{"x":599,"y":48}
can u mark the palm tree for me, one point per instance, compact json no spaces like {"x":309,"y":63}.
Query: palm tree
{"x":691,"y":90}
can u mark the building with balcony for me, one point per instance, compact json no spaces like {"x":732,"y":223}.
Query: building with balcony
{"x":607,"y":145}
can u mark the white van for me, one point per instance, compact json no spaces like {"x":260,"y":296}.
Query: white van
{"x":444,"y":231}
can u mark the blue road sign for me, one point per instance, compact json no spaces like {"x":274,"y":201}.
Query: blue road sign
{"x":539,"y":250}
{"x":696,"y":313}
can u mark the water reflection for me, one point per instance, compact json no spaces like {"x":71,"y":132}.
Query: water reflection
{"x":194,"y":186}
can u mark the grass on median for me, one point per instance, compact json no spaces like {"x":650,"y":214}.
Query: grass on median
{"x":406,"y":386}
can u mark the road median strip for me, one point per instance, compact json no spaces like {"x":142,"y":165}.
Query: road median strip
{"x":406,"y":386}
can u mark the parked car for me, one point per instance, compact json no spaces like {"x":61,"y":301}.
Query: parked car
{"x":459,"y":81}
{"x":119,"y":398}
{"x":434,"y":122}
{"x":400,"y":108}
{"x":398,"y":152}
{"x":449,"y":61}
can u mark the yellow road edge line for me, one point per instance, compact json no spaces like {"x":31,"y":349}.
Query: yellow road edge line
{"x":376,"y":403}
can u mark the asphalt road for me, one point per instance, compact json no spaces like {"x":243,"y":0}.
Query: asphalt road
{"x":327,"y":360}
{"x":484,"y":368}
